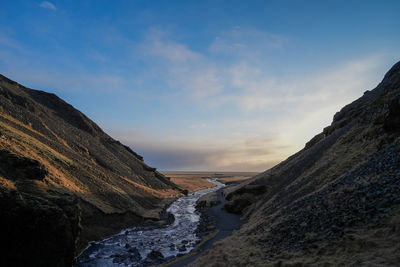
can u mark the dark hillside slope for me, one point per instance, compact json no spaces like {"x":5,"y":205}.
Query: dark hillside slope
{"x":337,"y":201}
{"x":63,"y":181}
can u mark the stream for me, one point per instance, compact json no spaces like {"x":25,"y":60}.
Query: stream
{"x":131,"y":247}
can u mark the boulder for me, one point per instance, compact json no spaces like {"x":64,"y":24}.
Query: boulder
{"x":209,"y":200}
{"x":134,"y":254}
{"x":155,"y":257}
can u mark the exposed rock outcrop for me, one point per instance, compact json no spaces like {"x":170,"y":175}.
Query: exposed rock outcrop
{"x":15,"y":167}
{"x":209,"y":200}
{"x":41,"y":231}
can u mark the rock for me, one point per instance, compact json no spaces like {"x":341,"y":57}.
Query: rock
{"x":201,"y":204}
{"x":134,"y":254}
{"x":42,"y":232}
{"x":209,"y":200}
{"x":15,"y":167}
{"x":155,"y":256}
{"x":392,"y":120}
{"x":315,"y":140}
{"x":117,"y":258}
{"x":170,"y":218}
{"x":237,"y":205}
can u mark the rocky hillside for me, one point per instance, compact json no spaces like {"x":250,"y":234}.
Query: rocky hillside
{"x":63,"y":181}
{"x":335,"y":202}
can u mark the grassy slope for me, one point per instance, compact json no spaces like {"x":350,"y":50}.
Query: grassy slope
{"x":334,"y":202}
{"x":111,"y":185}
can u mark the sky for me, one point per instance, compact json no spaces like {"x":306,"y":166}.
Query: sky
{"x":203,"y":85}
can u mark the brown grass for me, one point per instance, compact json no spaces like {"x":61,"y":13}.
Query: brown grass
{"x":195,"y":181}
{"x":61,"y":178}
{"x":192,"y":183}
{"x":234,"y":179}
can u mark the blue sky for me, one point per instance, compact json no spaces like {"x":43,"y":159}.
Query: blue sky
{"x":203,"y":85}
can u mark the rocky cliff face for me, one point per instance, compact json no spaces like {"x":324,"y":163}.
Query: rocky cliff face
{"x":63,"y":181}
{"x":337,"y":201}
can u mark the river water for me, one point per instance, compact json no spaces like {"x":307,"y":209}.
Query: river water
{"x":132,"y":246}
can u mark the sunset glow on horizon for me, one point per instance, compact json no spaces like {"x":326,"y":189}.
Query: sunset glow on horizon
{"x":203,"y":85}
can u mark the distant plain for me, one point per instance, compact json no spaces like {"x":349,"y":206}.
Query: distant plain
{"x":194,"y":181}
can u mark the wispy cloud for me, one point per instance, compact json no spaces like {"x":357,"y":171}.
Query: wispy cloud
{"x":241,"y":81}
{"x":246,"y":41}
{"x":188,"y":71}
{"x":204,"y":76}
{"x":284,"y":111}
{"x":239,"y":114}
{"x":7,"y":42}
{"x":16,"y":62}
{"x":48,"y":5}
{"x":197,"y":126}
{"x":259,"y":90}
{"x":239,"y":155}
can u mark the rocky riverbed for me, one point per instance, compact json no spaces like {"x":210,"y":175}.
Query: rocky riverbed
{"x":151,"y":246}
{"x":214,"y":219}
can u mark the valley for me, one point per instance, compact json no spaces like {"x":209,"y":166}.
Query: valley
{"x":200,"y":133}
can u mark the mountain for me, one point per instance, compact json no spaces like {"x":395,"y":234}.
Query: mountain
{"x":64,"y":182}
{"x":335,"y":202}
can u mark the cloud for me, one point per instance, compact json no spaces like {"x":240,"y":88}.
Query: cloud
{"x":190,"y":153}
{"x":66,"y":80}
{"x":298,"y":108}
{"x":191,"y":73}
{"x":230,"y":114}
{"x":335,"y":85}
{"x":278,"y":115}
{"x":97,"y":56}
{"x":48,"y":5}
{"x":241,"y":81}
{"x":197,"y":126}
{"x":16,"y":62}
{"x":158,"y":44}
{"x":246,"y":41}
{"x":210,"y":81}
{"x":204,"y":77}
{"x":7,"y":42}
{"x":178,"y":157}
{"x":168,"y":158}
